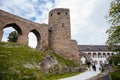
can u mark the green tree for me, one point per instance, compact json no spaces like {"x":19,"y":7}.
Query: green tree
{"x":13,"y":36}
{"x":114,"y":31}
{"x":114,"y":20}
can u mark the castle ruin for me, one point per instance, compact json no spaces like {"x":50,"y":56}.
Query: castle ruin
{"x":55,"y":35}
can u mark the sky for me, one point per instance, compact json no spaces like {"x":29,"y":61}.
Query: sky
{"x":88,"y":22}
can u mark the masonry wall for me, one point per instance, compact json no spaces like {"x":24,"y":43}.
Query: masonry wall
{"x":23,"y":27}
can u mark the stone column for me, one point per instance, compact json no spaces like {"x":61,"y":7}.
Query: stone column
{"x":1,"y":34}
{"x":23,"y":39}
{"x":96,"y":54}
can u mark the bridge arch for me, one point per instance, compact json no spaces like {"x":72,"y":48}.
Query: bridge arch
{"x":15,"y":26}
{"x":11,"y":25}
{"x":38,"y":36}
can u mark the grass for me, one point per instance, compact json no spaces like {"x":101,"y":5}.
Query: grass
{"x":116,"y":74}
{"x":19,"y":62}
{"x":69,"y":63}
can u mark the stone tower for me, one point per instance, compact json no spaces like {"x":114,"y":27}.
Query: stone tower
{"x":60,"y":33}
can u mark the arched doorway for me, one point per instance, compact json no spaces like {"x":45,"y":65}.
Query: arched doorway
{"x":94,"y":55}
{"x":112,"y":54}
{"x":34,"y":39}
{"x":108,"y":54}
{"x":99,"y":55}
{"x":83,"y":59}
{"x":104,"y":55}
{"x":89,"y":54}
{"x":100,"y":62}
{"x":7,"y":29}
{"x":96,"y":63}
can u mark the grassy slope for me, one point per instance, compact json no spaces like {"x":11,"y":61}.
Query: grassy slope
{"x":116,"y":74}
{"x":18,"y":62}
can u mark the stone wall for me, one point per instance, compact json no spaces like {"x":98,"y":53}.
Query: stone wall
{"x":23,"y":27}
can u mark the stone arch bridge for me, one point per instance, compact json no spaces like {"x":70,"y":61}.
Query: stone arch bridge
{"x":23,"y":27}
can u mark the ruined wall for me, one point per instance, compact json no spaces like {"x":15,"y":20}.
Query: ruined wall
{"x":23,"y":27}
{"x":56,"y":35}
{"x":74,"y":50}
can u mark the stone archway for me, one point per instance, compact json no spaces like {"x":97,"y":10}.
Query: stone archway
{"x":23,"y":27}
{"x":99,"y":55}
{"x":14,"y":26}
{"x":94,"y":55}
{"x":100,"y":62}
{"x":96,"y":63}
{"x":104,"y":55}
{"x":89,"y":54}
{"x":108,"y":54}
{"x":37,"y":34}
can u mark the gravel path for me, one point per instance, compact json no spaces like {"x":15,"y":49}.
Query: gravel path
{"x":83,"y":76}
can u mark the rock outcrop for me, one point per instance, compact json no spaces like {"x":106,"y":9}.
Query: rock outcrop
{"x":51,"y":65}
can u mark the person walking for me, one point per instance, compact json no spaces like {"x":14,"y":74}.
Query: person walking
{"x":94,"y":67}
{"x":88,"y":64}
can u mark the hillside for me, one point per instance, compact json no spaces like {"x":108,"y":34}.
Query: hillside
{"x":19,"y":62}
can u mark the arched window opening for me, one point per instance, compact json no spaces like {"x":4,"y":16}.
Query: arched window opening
{"x":34,"y":39}
{"x":112,"y":54}
{"x":99,"y":55}
{"x":89,"y":54}
{"x":104,"y":55}
{"x":100,"y":62}
{"x":108,"y":54}
{"x":94,"y":55}
{"x":58,"y":13}
{"x":95,"y":62}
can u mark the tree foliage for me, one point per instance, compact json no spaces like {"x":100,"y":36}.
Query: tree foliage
{"x":114,"y":32}
{"x":13,"y":36}
{"x":115,"y":59}
{"x":114,"y":20}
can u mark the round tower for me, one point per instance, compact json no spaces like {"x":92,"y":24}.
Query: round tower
{"x":60,"y":34}
{"x":59,"y":28}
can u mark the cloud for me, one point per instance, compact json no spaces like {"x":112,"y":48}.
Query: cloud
{"x":88,"y":24}
{"x":28,"y":8}
{"x":34,"y":10}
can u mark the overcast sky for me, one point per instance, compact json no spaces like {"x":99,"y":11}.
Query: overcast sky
{"x":88,"y":23}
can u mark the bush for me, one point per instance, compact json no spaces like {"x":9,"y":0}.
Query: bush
{"x":115,"y":75}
